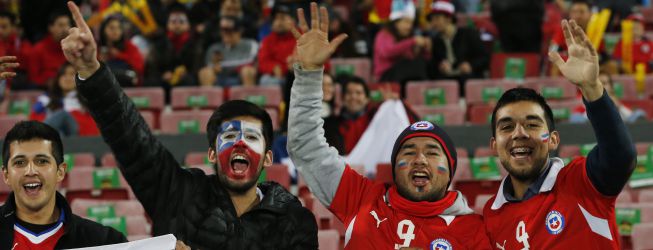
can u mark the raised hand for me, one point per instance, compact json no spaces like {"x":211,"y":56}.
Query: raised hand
{"x":79,"y":46}
{"x":7,"y":62}
{"x":582,"y":66}
{"x":313,"y":46}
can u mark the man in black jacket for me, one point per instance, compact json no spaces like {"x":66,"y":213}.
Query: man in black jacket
{"x":458,"y":52}
{"x":35,"y":215}
{"x":223,"y":211}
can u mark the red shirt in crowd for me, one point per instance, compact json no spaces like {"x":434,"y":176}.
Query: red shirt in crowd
{"x":275,"y":50}
{"x":47,"y":57}
{"x":642,"y":53}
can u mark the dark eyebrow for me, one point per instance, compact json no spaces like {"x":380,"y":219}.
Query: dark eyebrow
{"x":505,"y":119}
{"x":407,"y":146}
{"x":42,"y":155}
{"x":434,"y":146}
{"x":534,"y":117}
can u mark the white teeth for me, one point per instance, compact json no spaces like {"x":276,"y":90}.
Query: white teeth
{"x":420,"y":175}
{"x":32,"y":185}
{"x":239,"y":157}
{"x":521,"y":150}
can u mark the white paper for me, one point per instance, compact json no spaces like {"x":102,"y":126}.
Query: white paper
{"x":164,"y":242}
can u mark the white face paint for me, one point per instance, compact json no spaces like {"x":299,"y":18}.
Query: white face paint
{"x":234,"y":131}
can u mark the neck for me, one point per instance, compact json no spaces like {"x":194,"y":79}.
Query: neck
{"x":449,"y":31}
{"x":243,"y":202}
{"x":520,"y":186}
{"x":46,"y":215}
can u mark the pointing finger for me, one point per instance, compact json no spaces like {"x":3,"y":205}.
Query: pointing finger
{"x":77,"y":16}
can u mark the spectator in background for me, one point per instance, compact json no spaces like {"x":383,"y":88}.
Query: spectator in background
{"x":519,"y":23}
{"x":579,"y":11}
{"x":579,"y":114}
{"x":458,"y":53}
{"x":120,"y":54}
{"x":399,"y":55}
{"x":11,"y":44}
{"x":642,"y":46}
{"x":236,"y":55}
{"x":61,"y":108}
{"x":275,"y":55}
{"x":47,"y":57}
{"x":354,"y":45}
{"x":175,"y":56}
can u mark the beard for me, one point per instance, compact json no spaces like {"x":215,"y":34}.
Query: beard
{"x":238,"y":188}
{"x":432,"y":195}
{"x":526,"y":174}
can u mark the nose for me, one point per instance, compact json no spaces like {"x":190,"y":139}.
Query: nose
{"x":31,"y":170}
{"x":420,"y":159}
{"x":240,"y":144}
{"x":519,"y":132}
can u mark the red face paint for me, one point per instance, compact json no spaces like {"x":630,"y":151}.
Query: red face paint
{"x":239,"y":172}
{"x":442,"y":170}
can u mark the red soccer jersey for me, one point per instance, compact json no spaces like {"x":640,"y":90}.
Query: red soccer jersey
{"x":25,"y":240}
{"x":567,"y":213}
{"x":372,"y":223}
{"x":642,"y":53}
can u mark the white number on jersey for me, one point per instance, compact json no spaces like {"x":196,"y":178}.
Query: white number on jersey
{"x":522,"y":235}
{"x":405,"y":231}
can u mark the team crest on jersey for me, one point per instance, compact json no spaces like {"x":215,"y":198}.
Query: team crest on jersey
{"x":423,"y":125}
{"x":555,"y":222}
{"x":440,"y":244}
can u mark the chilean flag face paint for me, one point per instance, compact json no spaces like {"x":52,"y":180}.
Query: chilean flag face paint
{"x":241,"y":146}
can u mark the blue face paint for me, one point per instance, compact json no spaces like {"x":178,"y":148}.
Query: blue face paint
{"x":545,"y":137}
{"x":402,"y":163}
{"x":228,"y":135}
{"x":442,"y":170}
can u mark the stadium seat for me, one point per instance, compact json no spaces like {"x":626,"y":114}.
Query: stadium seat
{"x":483,"y":152}
{"x":384,"y":173}
{"x":552,"y":88}
{"x":361,"y":67}
{"x":120,"y":207}
{"x":462,"y":152}
{"x":375,"y":90}
{"x":480,"y":201}
{"x":196,"y":158}
{"x":185,"y":121}
{"x":20,"y":102}
{"x":8,"y":122}
{"x":641,"y":236}
{"x":322,"y":215}
{"x":646,"y":210}
{"x":463,"y":172}
{"x":83,"y":187}
{"x":108,"y":160}
{"x":643,"y":147}
{"x":480,"y":114}
{"x":196,"y":97}
{"x":479,"y":91}
{"x":649,"y":87}
{"x":278,"y":173}
{"x":328,"y":239}
{"x":624,"y":197}
{"x":645,"y":195}
{"x":149,"y":118}
{"x":138,"y":225}
{"x":432,"y":93}
{"x":451,"y":114}
{"x":514,"y":65}
{"x":624,"y":86}
{"x":569,"y":151}
{"x":268,"y":96}
{"x":646,"y":105}
{"x":274,"y":116}
{"x":473,"y":188}
{"x":562,"y":109}
{"x":83,"y":159}
{"x":148,"y":98}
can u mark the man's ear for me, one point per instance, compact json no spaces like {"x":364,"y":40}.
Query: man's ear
{"x":61,"y":171}
{"x":267,"y":159}
{"x":5,"y":174}
{"x":554,"y":140}
{"x":213,"y":156}
{"x":493,"y":145}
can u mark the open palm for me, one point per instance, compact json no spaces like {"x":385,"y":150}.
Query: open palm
{"x":582,"y":66}
{"x":313,"y":46}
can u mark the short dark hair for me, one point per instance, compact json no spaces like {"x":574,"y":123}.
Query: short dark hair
{"x":8,"y":15}
{"x":30,"y":130}
{"x":523,"y":94}
{"x":345,"y":80}
{"x":56,"y":15}
{"x":177,"y":8}
{"x":236,"y":108}
{"x":585,"y":2}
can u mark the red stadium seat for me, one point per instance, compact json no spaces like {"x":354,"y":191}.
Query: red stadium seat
{"x":278,"y":173}
{"x":8,"y":122}
{"x":432,"y":93}
{"x":480,"y":201}
{"x":501,"y":61}
{"x":328,"y":239}
{"x":649,"y":87}
{"x":625,"y":197}
{"x":473,"y":188}
{"x":645,"y":196}
{"x":274,"y":116}
{"x":148,"y":98}
{"x":645,"y":105}
{"x":96,"y":183}
{"x":552,"y":87}
{"x":641,"y":236}
{"x":646,"y":210}
{"x":84,"y":207}
{"x":20,"y":102}
{"x":196,"y":97}
{"x":451,"y":114}
{"x":463,"y":172}
{"x":268,"y":96}
{"x":361,"y":67}
{"x":483,"y":152}
{"x":480,"y":114}
{"x":479,"y":91}
{"x":624,"y":86}
{"x":569,"y":151}
{"x":149,"y":118}
{"x":323,"y":216}
{"x":185,"y":121}
{"x":562,"y":109}
{"x":462,"y":152}
{"x":108,"y":160}
{"x":196,"y":158}
{"x":375,"y":90}
{"x":84,"y":159}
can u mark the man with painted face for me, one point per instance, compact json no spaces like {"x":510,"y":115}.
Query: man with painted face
{"x":224,"y":211}
{"x":416,"y":211}
{"x":543,"y":203}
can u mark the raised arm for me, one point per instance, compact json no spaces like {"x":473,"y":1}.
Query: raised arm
{"x":320,"y":165}
{"x":610,"y":164}
{"x":151,"y":171}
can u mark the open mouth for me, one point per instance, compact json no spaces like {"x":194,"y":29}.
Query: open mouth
{"x":32,"y":189}
{"x":239,"y":164}
{"x":420,"y":178}
{"x":521,"y":152}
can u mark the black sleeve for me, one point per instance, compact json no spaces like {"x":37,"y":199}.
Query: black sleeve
{"x":153,"y":173}
{"x":305,"y":237}
{"x":612,"y":161}
{"x":479,"y":58}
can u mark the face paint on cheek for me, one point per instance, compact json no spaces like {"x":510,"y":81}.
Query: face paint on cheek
{"x":239,"y":170}
{"x":545,"y":137}
{"x":402,"y":164}
{"x":240,"y":138}
{"x":442,"y":170}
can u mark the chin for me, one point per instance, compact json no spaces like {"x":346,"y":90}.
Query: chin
{"x":239,"y":186}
